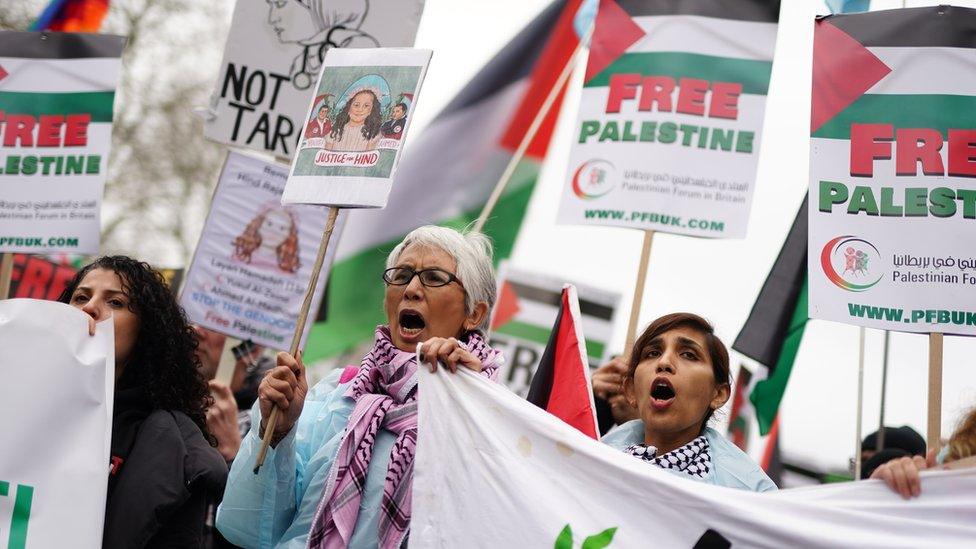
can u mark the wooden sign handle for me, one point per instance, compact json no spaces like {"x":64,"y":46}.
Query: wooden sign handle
{"x":6,"y":272}
{"x":299,"y":328}
{"x":638,"y":291}
{"x":933,"y":434}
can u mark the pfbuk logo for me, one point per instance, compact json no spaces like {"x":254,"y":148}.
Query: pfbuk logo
{"x":849,"y":262}
{"x":593,"y":179}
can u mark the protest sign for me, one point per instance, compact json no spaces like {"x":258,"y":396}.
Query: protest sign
{"x":56,"y":97}
{"x":56,"y":381}
{"x":353,"y":142}
{"x":35,"y":277}
{"x":273,"y":57}
{"x":671,"y":116}
{"x":892,"y":161}
{"x":524,"y":314}
{"x":541,"y":483}
{"x":255,"y":256}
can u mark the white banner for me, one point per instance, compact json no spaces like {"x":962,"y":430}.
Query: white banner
{"x":492,"y":470}
{"x":356,"y":126}
{"x":254,"y":258}
{"x":56,"y":386}
{"x":56,"y":96}
{"x":273,"y":57}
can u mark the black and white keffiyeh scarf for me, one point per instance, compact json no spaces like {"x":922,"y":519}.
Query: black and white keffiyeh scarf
{"x":692,"y":459}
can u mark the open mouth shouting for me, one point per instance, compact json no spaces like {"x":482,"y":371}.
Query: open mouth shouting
{"x":410,"y":325}
{"x":662,"y":393}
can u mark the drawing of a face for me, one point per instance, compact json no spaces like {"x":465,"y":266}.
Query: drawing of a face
{"x":275,"y":228}
{"x":359,"y":107}
{"x":291,"y":21}
{"x":323,"y":112}
{"x":398,"y":112}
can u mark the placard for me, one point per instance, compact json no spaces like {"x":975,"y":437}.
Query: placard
{"x":362,"y":105}
{"x":254,"y":258}
{"x":273,"y":57}
{"x":56,"y":96}
{"x":892,"y":167}
{"x":671,"y":116}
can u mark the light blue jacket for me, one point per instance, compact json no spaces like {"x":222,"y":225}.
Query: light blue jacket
{"x":731,"y":467}
{"x":275,"y":507}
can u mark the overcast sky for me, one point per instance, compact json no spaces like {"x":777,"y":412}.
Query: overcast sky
{"x":718,"y":279}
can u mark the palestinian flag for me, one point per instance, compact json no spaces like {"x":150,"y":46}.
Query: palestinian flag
{"x":742,"y":415}
{"x":771,"y":335}
{"x":561,"y":385}
{"x":893,"y":134}
{"x":446,"y":175}
{"x":671,"y":116}
{"x":528,"y":304}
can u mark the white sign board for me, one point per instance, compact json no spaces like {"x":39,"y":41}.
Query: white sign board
{"x":57,"y":91}
{"x":56,"y":386}
{"x":254,"y":258}
{"x":362,"y":106}
{"x":670,"y":119}
{"x":492,"y":470}
{"x":273,"y":57}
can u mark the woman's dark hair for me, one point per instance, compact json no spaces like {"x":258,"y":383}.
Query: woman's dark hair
{"x":163,"y":358}
{"x":717,"y":353}
{"x":372,"y":124}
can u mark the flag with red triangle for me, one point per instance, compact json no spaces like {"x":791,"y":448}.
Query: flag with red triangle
{"x":561,"y":385}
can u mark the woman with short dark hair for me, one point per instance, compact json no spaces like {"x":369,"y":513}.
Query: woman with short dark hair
{"x":678,"y":376}
{"x":164,"y":469}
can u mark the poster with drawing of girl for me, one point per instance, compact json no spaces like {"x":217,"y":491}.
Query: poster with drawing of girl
{"x":270,"y":240}
{"x":368,"y":124}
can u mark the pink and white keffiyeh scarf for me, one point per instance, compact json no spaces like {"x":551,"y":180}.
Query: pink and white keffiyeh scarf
{"x":385,"y":390}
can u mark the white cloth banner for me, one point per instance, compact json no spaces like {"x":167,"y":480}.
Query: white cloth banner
{"x":255,"y":257}
{"x":493,"y":470}
{"x":56,"y":386}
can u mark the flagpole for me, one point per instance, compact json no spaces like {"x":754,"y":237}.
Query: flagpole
{"x":884,"y":390}
{"x":860,"y":402}
{"x":299,"y":329}
{"x":6,"y":274}
{"x":933,"y":434}
{"x":496,"y":193}
{"x":635,"y":305}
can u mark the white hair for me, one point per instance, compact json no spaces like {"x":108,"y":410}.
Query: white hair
{"x":472,"y":252}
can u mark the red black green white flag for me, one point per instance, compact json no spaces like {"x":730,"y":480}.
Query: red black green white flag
{"x":561,"y":384}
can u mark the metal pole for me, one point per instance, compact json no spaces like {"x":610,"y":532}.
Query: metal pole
{"x":884,"y":390}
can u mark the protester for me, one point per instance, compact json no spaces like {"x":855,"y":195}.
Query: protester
{"x":678,"y":375}
{"x":340,"y":469}
{"x":164,"y":468}
{"x":901,"y":475}
{"x":898,"y":442}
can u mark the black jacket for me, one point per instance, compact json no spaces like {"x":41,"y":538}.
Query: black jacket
{"x":164,"y":474}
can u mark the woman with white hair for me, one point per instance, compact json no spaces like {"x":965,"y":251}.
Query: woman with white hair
{"x":340,"y":470}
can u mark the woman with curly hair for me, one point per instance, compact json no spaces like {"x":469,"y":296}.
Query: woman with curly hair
{"x":270,"y":240}
{"x":357,"y":126}
{"x":164,"y":469}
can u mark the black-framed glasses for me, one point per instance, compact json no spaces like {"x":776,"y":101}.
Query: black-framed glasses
{"x":432,"y":278}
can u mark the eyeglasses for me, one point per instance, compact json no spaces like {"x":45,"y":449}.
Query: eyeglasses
{"x":432,"y":278}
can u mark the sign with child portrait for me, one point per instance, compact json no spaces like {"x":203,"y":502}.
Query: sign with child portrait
{"x":255,"y":256}
{"x":355,"y":127}
{"x":274,"y":55}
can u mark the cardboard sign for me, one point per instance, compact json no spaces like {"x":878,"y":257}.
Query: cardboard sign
{"x":671,"y":116}
{"x":254,"y":258}
{"x":274,"y":55}
{"x":56,"y":96}
{"x":356,"y":126}
{"x":892,"y":167}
